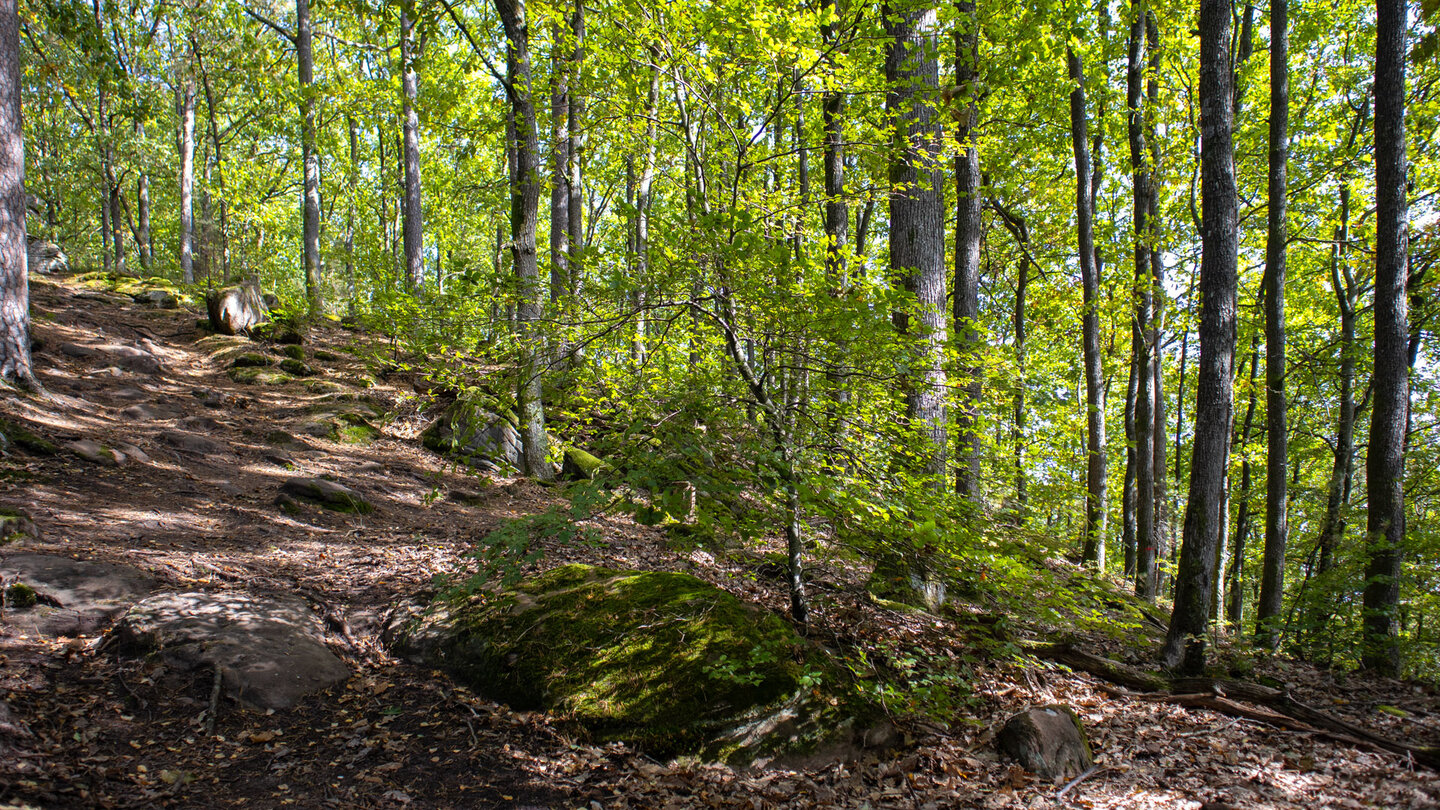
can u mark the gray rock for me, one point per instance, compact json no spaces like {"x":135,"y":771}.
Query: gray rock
{"x":76,"y":597}
{"x":16,"y":526}
{"x":130,"y":358}
{"x":142,"y":413}
{"x":45,"y":257}
{"x":96,"y":453}
{"x":235,"y":310}
{"x":133,"y":453}
{"x":193,"y":443}
{"x":328,"y":494}
{"x":76,"y":350}
{"x":1048,"y":741}
{"x":268,"y":650}
{"x":470,"y":433}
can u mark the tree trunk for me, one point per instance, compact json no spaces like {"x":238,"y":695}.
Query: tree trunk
{"x":642,"y":204}
{"x":1210,"y":453}
{"x":1235,"y":576}
{"x":350,"y":292}
{"x":1332,"y":526}
{"x":837,"y":215}
{"x":15,"y":366}
{"x":559,"y":169}
{"x":309,"y":156}
{"x":917,"y":221}
{"x":968,"y":202}
{"x":187,"y":180}
{"x":1277,"y":528}
{"x":1160,"y":519}
{"x":1385,"y":461}
{"x":1143,"y":340}
{"x":1094,"y":549}
{"x":576,"y":185}
{"x":143,"y":242}
{"x":524,"y":212}
{"x":414,"y":233}
{"x":215,"y":145}
{"x":1020,"y":230}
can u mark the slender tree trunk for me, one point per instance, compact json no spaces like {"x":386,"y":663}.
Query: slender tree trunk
{"x":1210,"y":455}
{"x":187,"y":180}
{"x":968,"y":202}
{"x":1332,"y":526}
{"x":1143,"y":340}
{"x":1160,"y":516}
{"x":524,"y":212}
{"x":576,"y":185}
{"x":1094,"y":550}
{"x":917,"y":220}
{"x":15,"y":365}
{"x":1020,"y":230}
{"x":837,"y":215}
{"x":1235,"y":576}
{"x":414,"y":229}
{"x":215,"y":145}
{"x":143,"y":241}
{"x":350,"y":292}
{"x":1127,"y":491}
{"x":642,"y":203}
{"x":559,"y":170}
{"x":1385,"y":461}
{"x":1277,"y":527}
{"x":310,"y":157}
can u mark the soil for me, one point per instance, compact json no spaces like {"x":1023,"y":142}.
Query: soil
{"x":83,"y":727}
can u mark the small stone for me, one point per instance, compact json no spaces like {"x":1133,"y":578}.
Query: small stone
{"x":250,"y":360}
{"x":297,"y":367}
{"x":96,"y":453}
{"x":193,"y":443}
{"x":133,"y":453}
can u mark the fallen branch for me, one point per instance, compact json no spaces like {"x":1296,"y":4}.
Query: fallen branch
{"x":1224,"y":695}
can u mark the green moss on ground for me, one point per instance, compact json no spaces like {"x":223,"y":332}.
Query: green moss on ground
{"x":297,"y":367}
{"x":294,"y":352}
{"x":250,"y":360}
{"x":22,"y":437}
{"x":21,"y":596}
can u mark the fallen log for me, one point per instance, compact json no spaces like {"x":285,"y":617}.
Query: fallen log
{"x":1225,"y":695}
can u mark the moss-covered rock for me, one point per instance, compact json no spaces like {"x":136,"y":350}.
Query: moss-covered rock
{"x":328,"y":494}
{"x":250,"y":360}
{"x":293,"y":351}
{"x":15,"y":526}
{"x":323,"y":386}
{"x":325,"y":355}
{"x":662,"y":660}
{"x":346,"y":427}
{"x":22,"y":437}
{"x":258,"y":376}
{"x":906,"y":580}
{"x":297,"y":367}
{"x":475,"y":431}
{"x":580,"y":465}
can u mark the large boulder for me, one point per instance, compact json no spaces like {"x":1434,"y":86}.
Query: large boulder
{"x":472,"y":433}
{"x":72,"y":597}
{"x":46,"y":257}
{"x":662,"y":660}
{"x":235,"y":310}
{"x":268,"y":650}
{"x":1047,"y":741}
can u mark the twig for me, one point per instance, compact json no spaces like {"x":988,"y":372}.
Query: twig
{"x":1204,"y":731}
{"x":214,"y":702}
{"x":1089,"y":772}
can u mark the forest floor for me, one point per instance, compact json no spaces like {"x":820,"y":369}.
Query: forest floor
{"x":87,"y":728}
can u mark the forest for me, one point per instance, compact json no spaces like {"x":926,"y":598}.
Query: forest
{"x":1103,"y":320}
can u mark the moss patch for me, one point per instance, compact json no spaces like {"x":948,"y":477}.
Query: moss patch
{"x":21,"y":596}
{"x":258,"y":376}
{"x":21,"y":437}
{"x":579,"y":464}
{"x":297,"y":367}
{"x":250,"y":360}
{"x":294,"y":352}
{"x":662,"y":660}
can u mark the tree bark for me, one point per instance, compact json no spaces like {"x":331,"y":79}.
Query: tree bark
{"x":559,"y":169}
{"x":414,"y":228}
{"x":1235,"y":575}
{"x":1337,"y":493}
{"x":917,"y":221}
{"x":15,"y":365}
{"x":524,"y":212}
{"x":1385,"y":461}
{"x":968,"y":202}
{"x":1094,"y":548}
{"x":187,"y":180}
{"x":837,"y":216}
{"x":1210,"y":454}
{"x":1143,"y":339}
{"x":576,"y":185}
{"x":1277,"y":462}
{"x":309,"y":156}
{"x":143,"y":242}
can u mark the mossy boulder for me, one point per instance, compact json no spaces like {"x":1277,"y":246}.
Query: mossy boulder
{"x":1048,"y":741}
{"x":474,"y":431}
{"x":346,"y":427}
{"x":15,"y":526}
{"x":906,"y":580}
{"x":251,"y":360}
{"x":580,"y":465}
{"x":258,"y":376}
{"x":661,"y":660}
{"x":329,"y":494}
{"x":293,"y":351}
{"x":21,"y":436}
{"x":297,"y":368}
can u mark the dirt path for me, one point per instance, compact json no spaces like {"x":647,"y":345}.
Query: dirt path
{"x":90,"y":729}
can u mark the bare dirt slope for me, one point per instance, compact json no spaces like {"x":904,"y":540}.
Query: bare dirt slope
{"x":83,"y":727}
